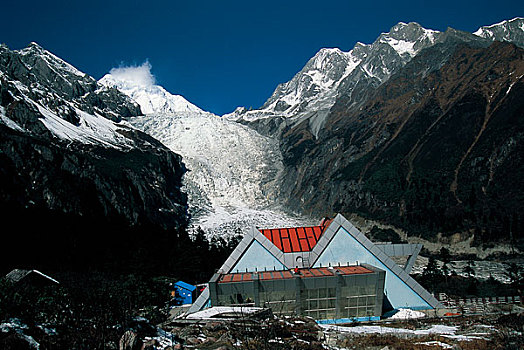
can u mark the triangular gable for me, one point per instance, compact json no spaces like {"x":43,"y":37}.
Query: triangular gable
{"x":344,"y":243}
{"x":405,"y":250}
{"x":257,"y":258}
{"x":252,"y":251}
{"x":255,"y":251}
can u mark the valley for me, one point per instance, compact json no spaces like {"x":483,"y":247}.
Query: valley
{"x":119,"y":188}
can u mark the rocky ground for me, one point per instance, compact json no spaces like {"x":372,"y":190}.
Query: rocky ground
{"x":502,"y":329}
{"x":477,"y":332}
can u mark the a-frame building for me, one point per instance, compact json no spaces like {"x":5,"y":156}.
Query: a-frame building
{"x":335,"y":242}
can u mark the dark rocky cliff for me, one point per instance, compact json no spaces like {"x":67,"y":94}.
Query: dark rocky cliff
{"x":74,"y":178}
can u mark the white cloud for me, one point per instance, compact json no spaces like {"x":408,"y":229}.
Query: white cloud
{"x":139,"y":75}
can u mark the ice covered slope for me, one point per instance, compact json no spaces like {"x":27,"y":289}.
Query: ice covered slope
{"x":232,"y":182}
{"x":59,"y":99}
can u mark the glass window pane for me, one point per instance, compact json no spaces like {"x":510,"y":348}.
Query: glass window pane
{"x":352,"y":301}
{"x":352,"y":312}
{"x":331,"y":314}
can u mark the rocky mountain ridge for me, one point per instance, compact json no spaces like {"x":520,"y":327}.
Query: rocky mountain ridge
{"x":68,"y":158}
{"x":511,"y":31}
{"x":432,"y":153}
{"x":314,"y":90}
{"x":333,"y":74}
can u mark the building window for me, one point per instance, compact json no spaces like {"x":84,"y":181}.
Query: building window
{"x":320,"y":303}
{"x":280,"y":302}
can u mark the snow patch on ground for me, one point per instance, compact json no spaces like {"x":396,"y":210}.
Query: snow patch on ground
{"x":405,"y":314}
{"x":436,"y":329}
{"x":219,"y":310}
{"x":437,"y":343}
{"x":445,"y":331}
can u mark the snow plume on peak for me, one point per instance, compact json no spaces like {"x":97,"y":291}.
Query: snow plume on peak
{"x":138,"y":83}
{"x":135,"y":75}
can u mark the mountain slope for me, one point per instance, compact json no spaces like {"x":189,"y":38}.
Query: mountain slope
{"x":424,"y":132}
{"x":431,"y":153}
{"x":69,"y":161}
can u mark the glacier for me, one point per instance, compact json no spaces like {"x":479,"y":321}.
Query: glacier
{"x":233,"y":171}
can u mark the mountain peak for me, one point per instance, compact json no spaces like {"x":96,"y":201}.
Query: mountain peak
{"x":151,"y":98}
{"x":35,"y":45}
{"x":403,"y":37}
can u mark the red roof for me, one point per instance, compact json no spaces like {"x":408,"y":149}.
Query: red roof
{"x":296,"y":239}
{"x":286,"y":274}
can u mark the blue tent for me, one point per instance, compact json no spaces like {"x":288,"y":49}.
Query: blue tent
{"x":185,"y":292}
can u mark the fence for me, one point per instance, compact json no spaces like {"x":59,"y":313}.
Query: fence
{"x":476,"y":305}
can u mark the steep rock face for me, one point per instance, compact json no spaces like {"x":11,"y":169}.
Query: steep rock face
{"x":431,"y":150}
{"x":66,"y":152}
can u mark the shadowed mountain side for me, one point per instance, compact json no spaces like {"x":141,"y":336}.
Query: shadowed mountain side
{"x":430,"y":151}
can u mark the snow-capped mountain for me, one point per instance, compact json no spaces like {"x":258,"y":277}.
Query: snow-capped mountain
{"x":70,"y":103}
{"x":333,"y":74}
{"x":415,"y":128}
{"x":510,"y":30}
{"x":151,"y":98}
{"x":76,"y":180}
{"x":314,"y":90}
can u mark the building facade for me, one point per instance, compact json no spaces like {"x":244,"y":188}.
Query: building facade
{"x":339,"y":292}
{"x":333,"y":243}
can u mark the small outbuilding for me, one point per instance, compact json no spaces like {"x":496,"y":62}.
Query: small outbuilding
{"x":185,"y":293}
{"x":30,"y":277}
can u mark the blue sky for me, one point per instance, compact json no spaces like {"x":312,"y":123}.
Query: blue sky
{"x":223,"y":54}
